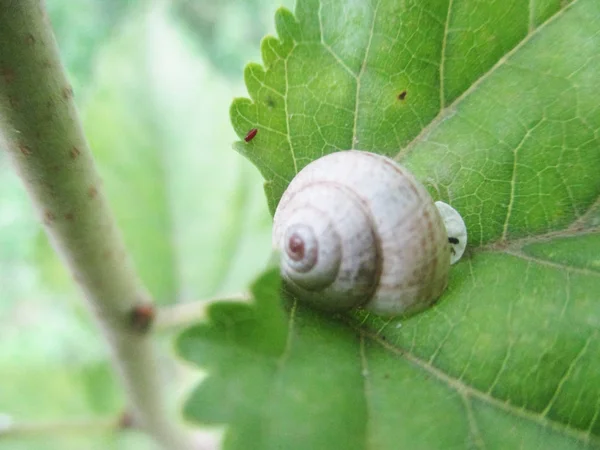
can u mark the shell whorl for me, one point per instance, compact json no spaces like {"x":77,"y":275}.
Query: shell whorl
{"x":316,"y":240}
{"x":355,"y":228}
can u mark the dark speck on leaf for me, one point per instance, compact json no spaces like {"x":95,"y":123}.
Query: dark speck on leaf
{"x":402,"y":95}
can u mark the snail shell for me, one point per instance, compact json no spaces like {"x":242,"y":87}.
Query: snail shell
{"x":355,"y":229}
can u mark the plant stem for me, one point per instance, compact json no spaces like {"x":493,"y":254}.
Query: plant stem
{"x":98,"y":425}
{"x":42,"y":132}
{"x":185,"y":314}
{"x":101,"y":425}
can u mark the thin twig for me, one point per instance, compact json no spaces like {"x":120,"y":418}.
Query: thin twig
{"x":185,"y":314}
{"x":40,"y":129}
{"x":75,"y":426}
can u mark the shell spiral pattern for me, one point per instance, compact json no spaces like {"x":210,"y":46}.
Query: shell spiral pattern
{"x":355,"y":229}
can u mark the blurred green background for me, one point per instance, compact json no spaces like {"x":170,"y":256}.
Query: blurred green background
{"x":153,"y":81}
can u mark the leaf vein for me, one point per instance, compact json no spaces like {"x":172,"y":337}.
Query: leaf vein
{"x":473,"y":427}
{"x":443,"y":55}
{"x":513,"y":182}
{"x":505,"y":406}
{"x":450,"y":109}
{"x":366,"y":388}
{"x":568,"y":374}
{"x":531,"y":24}
{"x":287,"y":114}
{"x":551,"y":264}
{"x":358,"y":78}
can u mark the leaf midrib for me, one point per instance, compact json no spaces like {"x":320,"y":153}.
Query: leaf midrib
{"x":467,"y":392}
{"x":551,"y":264}
{"x":514,"y":246}
{"x":447,"y":111}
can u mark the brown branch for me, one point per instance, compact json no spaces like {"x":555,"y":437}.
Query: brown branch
{"x":40,"y":129}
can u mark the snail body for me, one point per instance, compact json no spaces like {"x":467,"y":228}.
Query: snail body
{"x":355,"y":229}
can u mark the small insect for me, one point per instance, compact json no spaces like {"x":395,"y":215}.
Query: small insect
{"x":453,"y":240}
{"x":251,"y":134}
{"x":402,"y":95}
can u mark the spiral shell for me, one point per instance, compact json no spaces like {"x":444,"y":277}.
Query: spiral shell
{"x":355,"y":229}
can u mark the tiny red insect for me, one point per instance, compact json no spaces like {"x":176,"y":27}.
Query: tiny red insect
{"x":251,"y":134}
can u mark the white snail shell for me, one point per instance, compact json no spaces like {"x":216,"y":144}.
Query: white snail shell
{"x":355,"y":229}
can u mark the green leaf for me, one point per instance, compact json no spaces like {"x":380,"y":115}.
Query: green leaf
{"x":255,"y":376}
{"x":335,"y":84}
{"x":495,"y":107}
{"x":460,"y":375}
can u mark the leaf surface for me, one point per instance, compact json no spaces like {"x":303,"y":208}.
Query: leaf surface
{"x":495,"y":107}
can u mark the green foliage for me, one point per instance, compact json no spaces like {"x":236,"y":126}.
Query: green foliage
{"x":500,"y":118}
{"x":77,"y":391}
{"x":142,"y":116}
{"x":226,"y":31}
{"x":155,"y":113}
{"x":130,"y":151}
{"x":81,"y":31}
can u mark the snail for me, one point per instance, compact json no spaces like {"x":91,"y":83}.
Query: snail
{"x":355,"y":229}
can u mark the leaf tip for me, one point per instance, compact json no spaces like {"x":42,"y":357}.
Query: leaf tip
{"x":242,"y":114}
{"x":286,"y":25}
